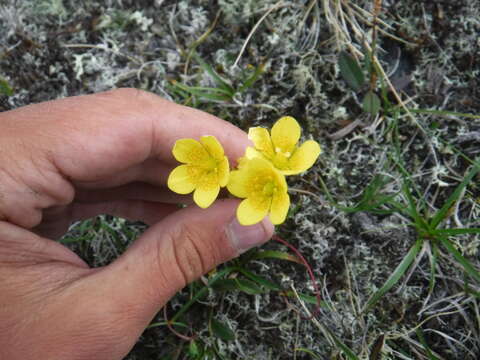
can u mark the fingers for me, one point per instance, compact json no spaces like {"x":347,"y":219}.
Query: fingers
{"x":93,"y":137}
{"x":152,"y":171}
{"x":135,"y":210}
{"x":57,"y":220}
{"x":132,"y":191}
{"x":176,"y":251}
{"x":20,"y":247}
{"x":95,"y":141}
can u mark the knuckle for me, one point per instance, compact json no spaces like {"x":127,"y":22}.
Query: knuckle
{"x":193,"y":252}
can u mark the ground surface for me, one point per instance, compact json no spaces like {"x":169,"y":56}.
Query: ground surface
{"x":430,"y":51}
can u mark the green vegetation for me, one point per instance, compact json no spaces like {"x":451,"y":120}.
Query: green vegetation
{"x":388,"y":219}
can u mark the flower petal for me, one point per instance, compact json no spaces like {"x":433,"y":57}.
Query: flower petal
{"x":180,"y":180}
{"x":207,"y":190}
{"x":251,"y":153}
{"x":252,"y":211}
{"x":279,"y":208}
{"x":261,"y":140}
{"x":303,"y":158}
{"x":223,"y":172}
{"x":190,"y":151}
{"x":285,"y":135}
{"x":204,"y":197}
{"x":242,"y":161}
{"x":213,"y":147}
{"x":237,"y":184}
{"x":280,"y":181}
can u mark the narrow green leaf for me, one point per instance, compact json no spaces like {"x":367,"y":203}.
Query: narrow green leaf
{"x":345,"y":349}
{"x":433,"y":267}
{"x":453,"y":232}
{"x":221,"y":330}
{"x":309,"y":352}
{"x":260,"y":280}
{"x":469,"y":290}
{"x":252,"y":79}
{"x":412,"y":208}
{"x":5,"y":88}
{"x":351,"y":71}
{"x":396,"y":275}
{"x":425,"y":345}
{"x":372,"y":200}
{"x":443,"y":211}
{"x":442,"y":113}
{"x":274,"y":254}
{"x":225,"y":285}
{"x":460,"y":258}
{"x":248,"y":287}
{"x":218,"y":80}
{"x":371,"y":103}
{"x":244,"y":285}
{"x":203,"y":291}
{"x":309,"y":299}
{"x":215,"y":94}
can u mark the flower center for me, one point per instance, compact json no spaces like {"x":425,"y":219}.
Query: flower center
{"x":210,"y":164}
{"x":269,"y":189}
{"x":280,"y":160}
{"x":284,"y":153}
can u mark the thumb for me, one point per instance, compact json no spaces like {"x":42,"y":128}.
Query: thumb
{"x":176,"y":251}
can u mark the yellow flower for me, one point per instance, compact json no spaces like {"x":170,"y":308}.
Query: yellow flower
{"x":280,"y":146}
{"x":264,"y":190}
{"x":205,"y":169}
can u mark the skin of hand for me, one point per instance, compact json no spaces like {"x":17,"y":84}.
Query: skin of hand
{"x":107,"y":153}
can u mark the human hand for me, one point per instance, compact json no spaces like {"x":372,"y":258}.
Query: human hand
{"x":75,"y":158}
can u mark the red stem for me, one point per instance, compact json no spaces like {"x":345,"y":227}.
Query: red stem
{"x":309,"y":270}
{"x":170,"y":327}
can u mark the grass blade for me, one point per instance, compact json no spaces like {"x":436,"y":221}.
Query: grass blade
{"x":218,"y":80}
{"x":245,"y":285}
{"x":412,"y":209}
{"x":443,"y":211}
{"x":248,"y":286}
{"x":453,"y":232}
{"x":215,"y":94}
{"x":274,"y":254}
{"x":433,"y":268}
{"x":260,"y":280}
{"x":309,"y":299}
{"x":443,"y":113}
{"x":345,"y":349}
{"x":396,"y":275}
{"x":252,"y":79}
{"x":425,"y":345}
{"x":469,"y":269}
{"x":219,"y":275}
{"x":309,"y":352}
{"x":372,"y":200}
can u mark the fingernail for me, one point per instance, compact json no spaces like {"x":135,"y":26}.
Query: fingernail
{"x":246,"y":237}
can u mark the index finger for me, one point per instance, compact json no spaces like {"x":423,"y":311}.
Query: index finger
{"x":171,"y":121}
{"x":92,"y":137}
